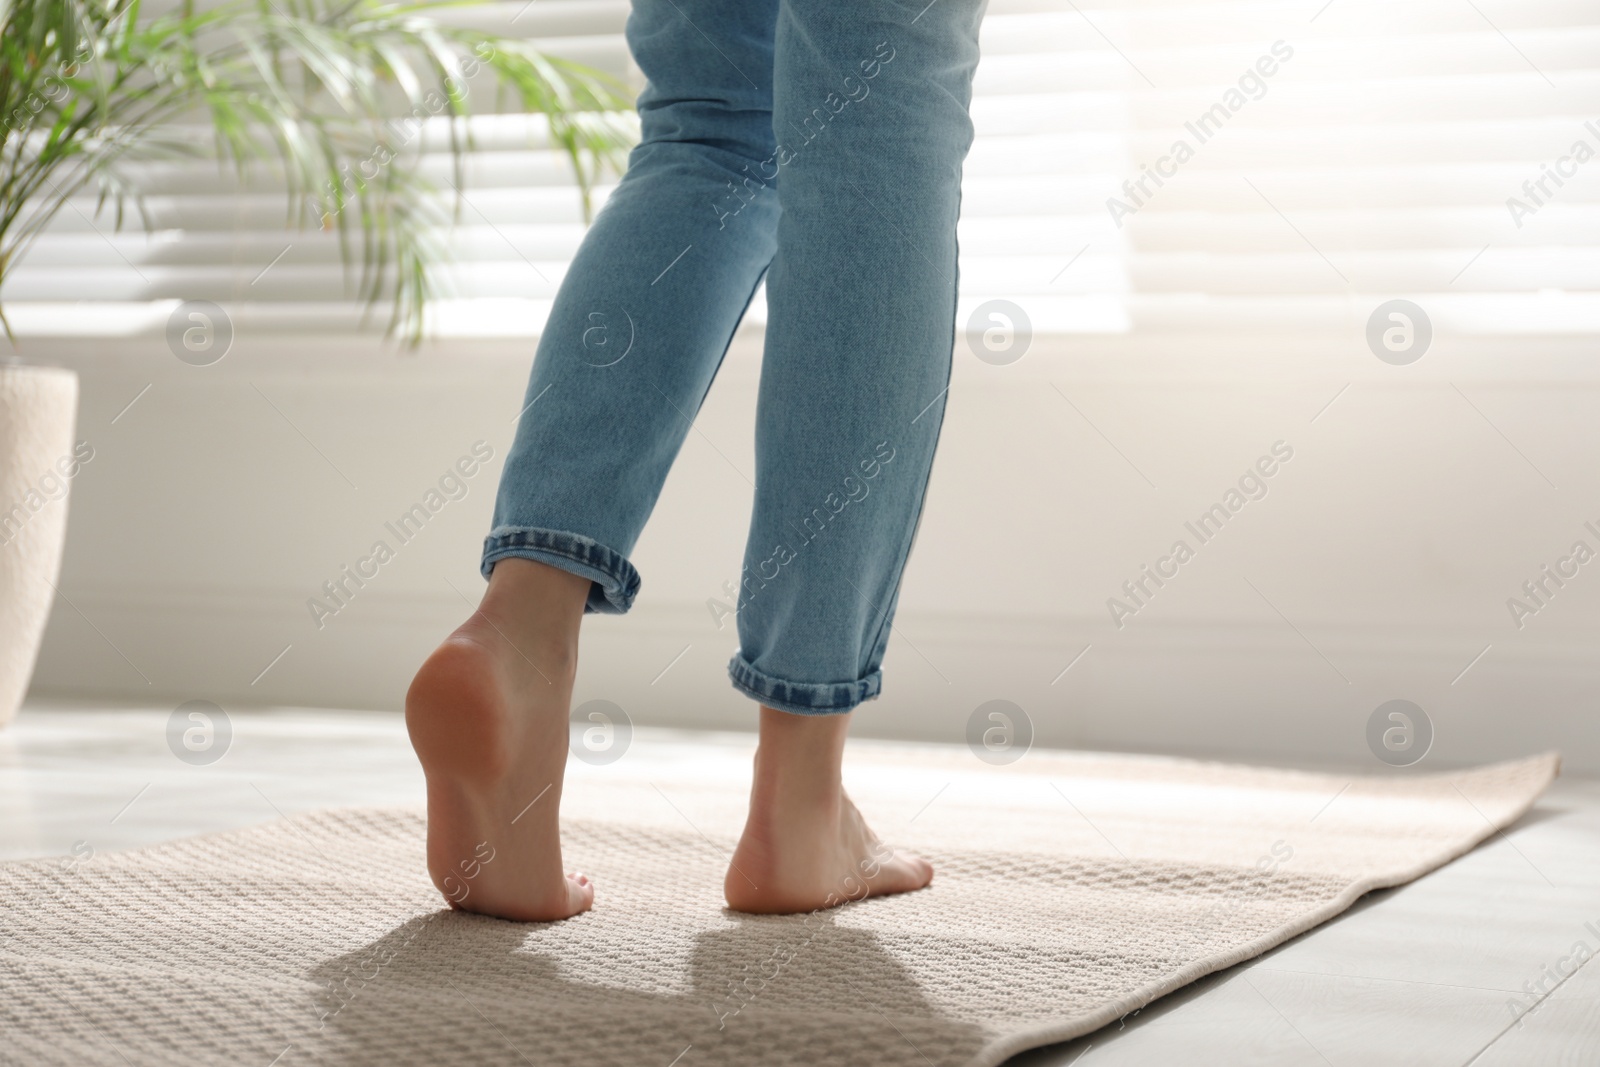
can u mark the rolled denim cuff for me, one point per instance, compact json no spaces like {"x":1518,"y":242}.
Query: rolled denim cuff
{"x":616,"y":583}
{"x":802,"y":698}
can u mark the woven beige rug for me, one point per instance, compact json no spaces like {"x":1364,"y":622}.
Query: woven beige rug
{"x":1070,"y":890}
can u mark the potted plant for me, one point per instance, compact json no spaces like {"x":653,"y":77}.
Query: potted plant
{"x":327,"y":95}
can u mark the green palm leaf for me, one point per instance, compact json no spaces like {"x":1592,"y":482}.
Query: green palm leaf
{"x":304,"y":88}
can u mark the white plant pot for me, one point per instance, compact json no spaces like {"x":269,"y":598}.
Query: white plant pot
{"x":38,"y":406}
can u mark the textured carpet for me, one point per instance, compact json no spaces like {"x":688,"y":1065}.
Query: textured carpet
{"x":1071,"y":890}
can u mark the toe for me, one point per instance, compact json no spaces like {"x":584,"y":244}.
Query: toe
{"x":908,"y":872}
{"x":580,"y":893}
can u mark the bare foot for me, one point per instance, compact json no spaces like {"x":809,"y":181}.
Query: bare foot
{"x":805,"y":846}
{"x":487,"y":715}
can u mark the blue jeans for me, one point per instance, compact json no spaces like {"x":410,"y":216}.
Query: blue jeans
{"x":818,"y":144}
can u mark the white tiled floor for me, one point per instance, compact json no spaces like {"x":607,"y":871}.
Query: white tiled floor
{"x":108,"y":779}
{"x":1419,"y":975}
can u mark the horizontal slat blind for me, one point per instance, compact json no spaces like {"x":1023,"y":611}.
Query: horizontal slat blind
{"x":1375,"y":161}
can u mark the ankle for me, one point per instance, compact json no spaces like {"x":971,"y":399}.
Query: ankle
{"x":792,"y":793}
{"x":526,"y":587}
{"x":798,"y":760}
{"x":552,"y":648}
{"x":539,"y":609}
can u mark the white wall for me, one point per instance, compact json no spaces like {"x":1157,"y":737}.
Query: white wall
{"x":1389,"y":543}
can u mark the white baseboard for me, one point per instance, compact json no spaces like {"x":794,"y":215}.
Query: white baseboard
{"x":1247,"y":690}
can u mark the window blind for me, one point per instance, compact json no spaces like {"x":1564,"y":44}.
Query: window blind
{"x":1142,"y":168}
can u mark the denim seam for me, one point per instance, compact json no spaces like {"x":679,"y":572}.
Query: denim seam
{"x":618,"y":580}
{"x":880,"y":641}
{"x":728,"y":344}
{"x":802,"y":698}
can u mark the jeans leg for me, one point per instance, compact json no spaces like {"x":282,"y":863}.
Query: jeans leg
{"x":644,"y":316}
{"x":870,"y":110}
